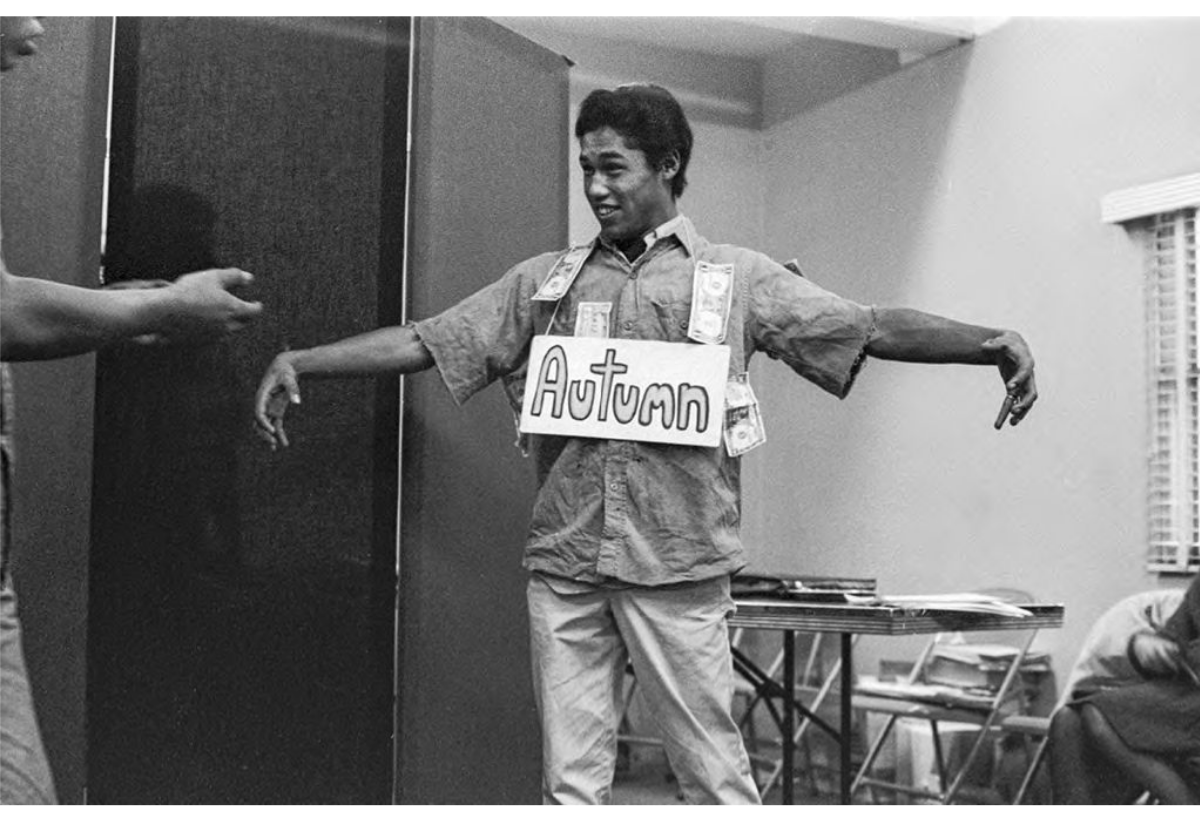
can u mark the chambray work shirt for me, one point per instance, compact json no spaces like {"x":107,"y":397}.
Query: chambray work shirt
{"x":624,"y":512}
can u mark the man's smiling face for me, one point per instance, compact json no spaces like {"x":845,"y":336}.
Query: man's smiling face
{"x":628,"y":196}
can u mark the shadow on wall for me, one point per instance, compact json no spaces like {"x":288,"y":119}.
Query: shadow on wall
{"x":172,"y":414}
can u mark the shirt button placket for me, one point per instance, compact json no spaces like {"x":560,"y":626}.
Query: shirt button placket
{"x":608,"y":560}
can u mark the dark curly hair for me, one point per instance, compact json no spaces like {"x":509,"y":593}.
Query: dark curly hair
{"x":648,"y":117}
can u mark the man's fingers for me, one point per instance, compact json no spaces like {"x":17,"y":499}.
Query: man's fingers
{"x":250,"y":309}
{"x":292,"y":389}
{"x":246,"y":313}
{"x":264,"y":435}
{"x":269,"y":405}
{"x":261,"y":421}
{"x":234,"y":277}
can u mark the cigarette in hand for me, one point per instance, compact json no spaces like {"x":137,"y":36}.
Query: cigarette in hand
{"x":1005,"y":409}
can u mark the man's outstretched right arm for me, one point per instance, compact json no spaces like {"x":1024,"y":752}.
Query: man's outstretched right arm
{"x":389,"y":350}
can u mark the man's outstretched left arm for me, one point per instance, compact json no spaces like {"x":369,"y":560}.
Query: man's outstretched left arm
{"x":906,"y":335}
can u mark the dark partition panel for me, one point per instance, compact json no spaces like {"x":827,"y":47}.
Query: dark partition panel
{"x":242,"y":602}
{"x":52,"y":162}
{"x":489,"y":189}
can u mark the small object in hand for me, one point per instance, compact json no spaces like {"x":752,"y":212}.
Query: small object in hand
{"x":1005,"y":409}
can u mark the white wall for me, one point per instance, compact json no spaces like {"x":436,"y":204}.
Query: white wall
{"x":968,"y":185}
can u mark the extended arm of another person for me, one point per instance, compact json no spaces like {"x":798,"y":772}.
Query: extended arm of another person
{"x":903,"y":334}
{"x":389,"y":350}
{"x":40,"y":319}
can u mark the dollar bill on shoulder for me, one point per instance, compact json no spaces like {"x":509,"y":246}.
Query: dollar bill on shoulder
{"x":563,"y":274}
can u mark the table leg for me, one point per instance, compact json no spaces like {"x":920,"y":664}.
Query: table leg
{"x":788,"y":796}
{"x":844,"y":746}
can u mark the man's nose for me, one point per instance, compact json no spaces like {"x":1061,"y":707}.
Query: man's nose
{"x":595,"y":187}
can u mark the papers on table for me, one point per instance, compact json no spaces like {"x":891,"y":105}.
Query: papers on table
{"x":952,"y":602}
{"x":805,"y":588}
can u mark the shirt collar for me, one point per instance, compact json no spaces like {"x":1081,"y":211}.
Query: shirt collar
{"x":679,"y":226}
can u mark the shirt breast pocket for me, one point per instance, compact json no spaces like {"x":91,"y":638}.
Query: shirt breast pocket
{"x":672,"y":316}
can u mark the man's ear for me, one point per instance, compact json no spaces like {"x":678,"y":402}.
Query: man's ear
{"x":669,"y":166}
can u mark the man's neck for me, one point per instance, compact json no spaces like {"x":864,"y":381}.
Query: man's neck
{"x":635,"y":246}
{"x":632,"y":248}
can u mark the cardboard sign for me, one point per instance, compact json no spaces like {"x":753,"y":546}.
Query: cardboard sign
{"x":663,"y":392}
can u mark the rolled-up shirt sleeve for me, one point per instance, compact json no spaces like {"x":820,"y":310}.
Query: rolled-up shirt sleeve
{"x":820,"y":335}
{"x":486,"y":336}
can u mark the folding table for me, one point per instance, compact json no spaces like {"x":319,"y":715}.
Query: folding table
{"x":847,"y":620}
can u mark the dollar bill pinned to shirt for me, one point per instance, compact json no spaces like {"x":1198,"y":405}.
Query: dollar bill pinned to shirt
{"x":712,"y":296}
{"x":743,"y":420}
{"x":592,"y":319}
{"x":563,"y":274}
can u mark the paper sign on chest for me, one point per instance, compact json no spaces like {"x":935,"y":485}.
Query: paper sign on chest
{"x":662,"y":392}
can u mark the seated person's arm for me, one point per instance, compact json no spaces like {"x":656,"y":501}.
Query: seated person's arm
{"x":1154,"y":655}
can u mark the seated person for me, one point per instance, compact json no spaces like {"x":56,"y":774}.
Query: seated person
{"x":1130,"y":717}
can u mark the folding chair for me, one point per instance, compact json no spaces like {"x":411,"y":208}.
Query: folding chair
{"x":814,"y":683}
{"x":917,"y":698}
{"x":1035,"y":731}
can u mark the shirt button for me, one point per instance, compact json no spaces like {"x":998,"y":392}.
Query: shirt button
{"x":629,"y":325}
{"x":683,"y":325}
{"x":614,"y":486}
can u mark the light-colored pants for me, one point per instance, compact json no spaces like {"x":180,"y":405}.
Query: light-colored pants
{"x":24,"y":773}
{"x":678,"y":642}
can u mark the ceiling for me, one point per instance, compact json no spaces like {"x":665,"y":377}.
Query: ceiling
{"x":759,"y":37}
{"x":746,"y":71}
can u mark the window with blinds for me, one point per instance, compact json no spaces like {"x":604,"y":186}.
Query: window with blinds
{"x":1173,"y":495}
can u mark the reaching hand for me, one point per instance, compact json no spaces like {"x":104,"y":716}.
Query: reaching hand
{"x":279,"y":387}
{"x":1015,"y":361}
{"x":199,"y":305}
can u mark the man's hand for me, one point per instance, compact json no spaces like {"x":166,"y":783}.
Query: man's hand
{"x":1155,"y":654}
{"x":198,"y":306}
{"x":1016,"y":368}
{"x":279,"y":387}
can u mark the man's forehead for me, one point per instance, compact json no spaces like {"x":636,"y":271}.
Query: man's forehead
{"x":606,"y":142}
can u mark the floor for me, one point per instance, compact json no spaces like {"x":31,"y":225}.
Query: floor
{"x":647,"y":780}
